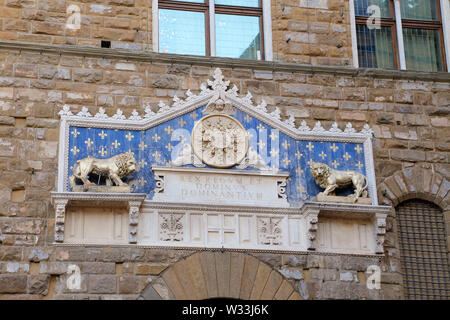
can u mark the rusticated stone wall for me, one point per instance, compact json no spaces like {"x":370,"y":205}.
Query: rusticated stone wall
{"x":313,"y":32}
{"x":409,"y":113}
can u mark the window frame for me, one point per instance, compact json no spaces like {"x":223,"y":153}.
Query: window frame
{"x":397,"y":23}
{"x":209,"y":8}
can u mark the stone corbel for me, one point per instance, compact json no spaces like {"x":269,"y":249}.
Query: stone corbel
{"x":133,"y":220}
{"x":60,"y":217}
{"x":312,"y":219}
{"x":380,"y":227}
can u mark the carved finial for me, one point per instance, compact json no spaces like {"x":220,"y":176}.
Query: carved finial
{"x":334,"y":128}
{"x":65,"y":111}
{"x":290,"y":121}
{"x":367,"y":130}
{"x":276,"y":113}
{"x":349,"y":128}
{"x":318,"y":127}
{"x":148,"y":112}
{"x":135,"y":116}
{"x":119,"y":115}
{"x":84,"y":113}
{"x":304,"y":127}
{"x":101,"y":114}
{"x":163,"y":107}
{"x":262,"y":106}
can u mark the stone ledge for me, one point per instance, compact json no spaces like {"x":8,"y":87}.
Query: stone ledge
{"x":223,"y":62}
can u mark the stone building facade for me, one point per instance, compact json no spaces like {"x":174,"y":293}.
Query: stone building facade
{"x":312,"y":77}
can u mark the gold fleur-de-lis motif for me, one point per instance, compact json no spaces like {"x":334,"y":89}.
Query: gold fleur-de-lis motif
{"x":247,"y":118}
{"x":261,"y":145}
{"x":168,"y":129}
{"x":301,"y":188}
{"x":298,"y":154}
{"x":273,"y":135}
{"x":286,"y":161}
{"x":334,"y":147}
{"x":310,"y":162}
{"x":89,"y":142}
{"x":141,"y":164}
{"x":75,"y":150}
{"x":75,"y":133}
{"x":260,"y":127}
{"x":273,"y":152}
{"x":347,"y":156}
{"x":142,"y":181}
{"x":103,"y":151}
{"x":322,"y":155}
{"x":102,"y":134}
{"x":358,"y":148}
{"x":129,"y":136}
{"x":335,"y":164}
{"x":299,"y":171}
{"x":181,"y":122}
{"x":359,"y":165}
{"x":156,"y":138}
{"x":310,"y":146}
{"x":285,"y":144}
{"x":116,"y":144}
{"x":142,"y":146}
{"x":169,"y":147}
{"x":194,"y":115}
{"x":156,"y":155}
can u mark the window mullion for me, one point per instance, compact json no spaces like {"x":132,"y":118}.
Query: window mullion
{"x":155,"y":24}
{"x":212,"y":28}
{"x":353,"y":34}
{"x":400,"y":43}
{"x":267,"y":32}
{"x":445,"y":17}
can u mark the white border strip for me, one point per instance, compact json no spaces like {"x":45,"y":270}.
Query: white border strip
{"x":353,"y":33}
{"x":445,"y":11}
{"x":155,"y":24}
{"x":267,"y":23}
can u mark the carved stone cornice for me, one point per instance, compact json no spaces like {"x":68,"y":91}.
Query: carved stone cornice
{"x":148,"y":56}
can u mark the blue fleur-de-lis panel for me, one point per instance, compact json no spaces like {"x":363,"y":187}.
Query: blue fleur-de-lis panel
{"x":158,"y":145}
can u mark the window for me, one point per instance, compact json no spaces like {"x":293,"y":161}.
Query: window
{"x":418,"y":46}
{"x":223,"y":28}
{"x":423,"y":250}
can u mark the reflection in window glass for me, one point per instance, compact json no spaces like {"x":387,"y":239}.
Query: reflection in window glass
{"x":238,"y":37}
{"x":182,"y":32}
{"x":422,"y":49}
{"x":243,"y":3}
{"x":418,"y":9}
{"x":362,"y":5}
{"x":375,"y":47}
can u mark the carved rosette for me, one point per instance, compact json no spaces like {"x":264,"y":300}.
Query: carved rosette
{"x":281,"y":186}
{"x":159,"y":183}
{"x":312,"y":219}
{"x":171,"y":227}
{"x":133,"y":220}
{"x":380,"y":226}
{"x":60,"y":217}
{"x":269,"y":231}
{"x":220,"y":141}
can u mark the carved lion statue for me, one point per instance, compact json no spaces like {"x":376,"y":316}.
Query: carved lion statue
{"x":330,"y":179}
{"x":115,"y":168}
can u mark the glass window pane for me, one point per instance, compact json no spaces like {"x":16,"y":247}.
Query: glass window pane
{"x":238,"y":36}
{"x":362,"y":5}
{"x":375,"y":47}
{"x":422,"y":49}
{"x":182,"y":32}
{"x":197,"y":1}
{"x":418,"y":9}
{"x":243,"y":3}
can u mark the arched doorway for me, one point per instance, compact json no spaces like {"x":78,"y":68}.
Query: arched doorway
{"x":423,"y":247}
{"x":206,"y":275}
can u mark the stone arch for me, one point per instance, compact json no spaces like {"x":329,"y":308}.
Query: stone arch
{"x":216,"y":274}
{"x":412,"y":183}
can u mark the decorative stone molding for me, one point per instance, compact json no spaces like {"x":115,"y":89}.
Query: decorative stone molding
{"x":62,"y":200}
{"x":269,"y":231}
{"x":159,"y":183}
{"x":171,"y":227}
{"x":380,"y":227}
{"x":133,"y":219}
{"x":415,"y":183}
{"x":312,"y":218}
{"x":60,"y":214}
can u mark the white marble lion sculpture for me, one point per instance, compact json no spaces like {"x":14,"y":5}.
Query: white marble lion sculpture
{"x":114,"y":168}
{"x":330,"y":179}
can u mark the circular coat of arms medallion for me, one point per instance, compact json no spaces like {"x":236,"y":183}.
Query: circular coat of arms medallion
{"x":219,"y":141}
